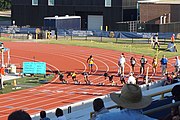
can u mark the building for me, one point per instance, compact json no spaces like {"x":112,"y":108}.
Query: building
{"x":162,"y":15}
{"x":94,"y":13}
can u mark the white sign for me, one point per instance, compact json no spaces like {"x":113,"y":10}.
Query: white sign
{"x":107,"y":3}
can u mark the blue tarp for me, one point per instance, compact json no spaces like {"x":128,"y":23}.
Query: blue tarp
{"x":171,"y":47}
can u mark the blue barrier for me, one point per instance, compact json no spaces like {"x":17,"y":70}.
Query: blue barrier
{"x":117,"y":34}
{"x":95,"y":33}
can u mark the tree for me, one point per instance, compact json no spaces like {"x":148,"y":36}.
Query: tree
{"x":5,"y":4}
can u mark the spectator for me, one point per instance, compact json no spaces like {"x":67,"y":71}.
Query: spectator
{"x":98,"y":106}
{"x":121,"y":64}
{"x":156,"y":42}
{"x":152,"y":41}
{"x":164,"y":62}
{"x":143,"y":62}
{"x":19,"y":115}
{"x":168,"y":79}
{"x":173,"y":38}
{"x":133,"y":63}
{"x":175,"y":111}
{"x":176,"y":94}
{"x":177,"y":64}
{"x":43,"y":116}
{"x":131,"y":79}
{"x":59,"y":114}
{"x":132,"y":100}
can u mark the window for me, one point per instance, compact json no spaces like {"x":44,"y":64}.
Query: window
{"x":107,"y":3}
{"x":34,"y":2}
{"x":51,"y":2}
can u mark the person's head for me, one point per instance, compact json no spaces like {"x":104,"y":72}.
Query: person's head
{"x":164,"y":56}
{"x":176,"y":57}
{"x":59,"y":112}
{"x":175,"y":92}
{"x":90,"y":56}
{"x":131,"y":74}
{"x":131,"y":97}
{"x":98,"y":104}
{"x":19,"y":115}
{"x":43,"y":114}
{"x":142,"y":56}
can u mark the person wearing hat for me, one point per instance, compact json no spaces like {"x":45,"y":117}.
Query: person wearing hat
{"x":132,"y":101}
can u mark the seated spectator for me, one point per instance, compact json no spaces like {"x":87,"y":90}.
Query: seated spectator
{"x":132,"y":100}
{"x":43,"y":116}
{"x":19,"y":115}
{"x":98,"y":106}
{"x":59,"y":114}
{"x":174,"y":78}
{"x":168,"y":79}
{"x":176,"y":94}
{"x":175,"y":111}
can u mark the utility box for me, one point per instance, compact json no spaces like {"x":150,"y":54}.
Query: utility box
{"x":65,"y":22}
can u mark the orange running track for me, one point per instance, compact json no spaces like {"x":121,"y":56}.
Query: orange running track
{"x":65,"y":58}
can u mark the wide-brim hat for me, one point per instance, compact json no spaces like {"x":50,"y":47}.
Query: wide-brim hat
{"x":131,"y":97}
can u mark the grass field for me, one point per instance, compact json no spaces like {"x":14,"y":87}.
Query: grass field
{"x":145,"y":49}
{"x":24,"y":83}
{"x":138,"y":47}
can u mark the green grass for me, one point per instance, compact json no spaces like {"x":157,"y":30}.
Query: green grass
{"x":133,"y":48}
{"x":24,"y":83}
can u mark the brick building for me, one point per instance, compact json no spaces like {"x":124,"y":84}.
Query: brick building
{"x":163,"y":13}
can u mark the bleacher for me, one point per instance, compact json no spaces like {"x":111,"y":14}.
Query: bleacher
{"x":83,"y":109}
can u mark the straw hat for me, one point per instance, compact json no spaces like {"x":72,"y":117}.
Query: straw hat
{"x":131,"y":97}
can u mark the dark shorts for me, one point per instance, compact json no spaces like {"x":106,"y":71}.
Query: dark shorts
{"x":132,"y":65}
{"x":90,"y":65}
{"x":73,"y":77}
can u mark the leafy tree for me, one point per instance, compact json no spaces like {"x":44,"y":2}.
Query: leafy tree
{"x":5,"y":4}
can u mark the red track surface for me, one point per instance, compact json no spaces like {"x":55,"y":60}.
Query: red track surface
{"x":63,"y":58}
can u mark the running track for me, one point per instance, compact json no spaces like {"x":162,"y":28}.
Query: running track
{"x":64,"y":58}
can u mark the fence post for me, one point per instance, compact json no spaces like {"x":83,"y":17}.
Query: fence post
{"x":69,"y":109}
{"x":71,"y":34}
{"x":101,"y":35}
{"x":86,"y":34}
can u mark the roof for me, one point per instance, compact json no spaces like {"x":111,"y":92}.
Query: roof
{"x":160,"y":1}
{"x":63,"y":17}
